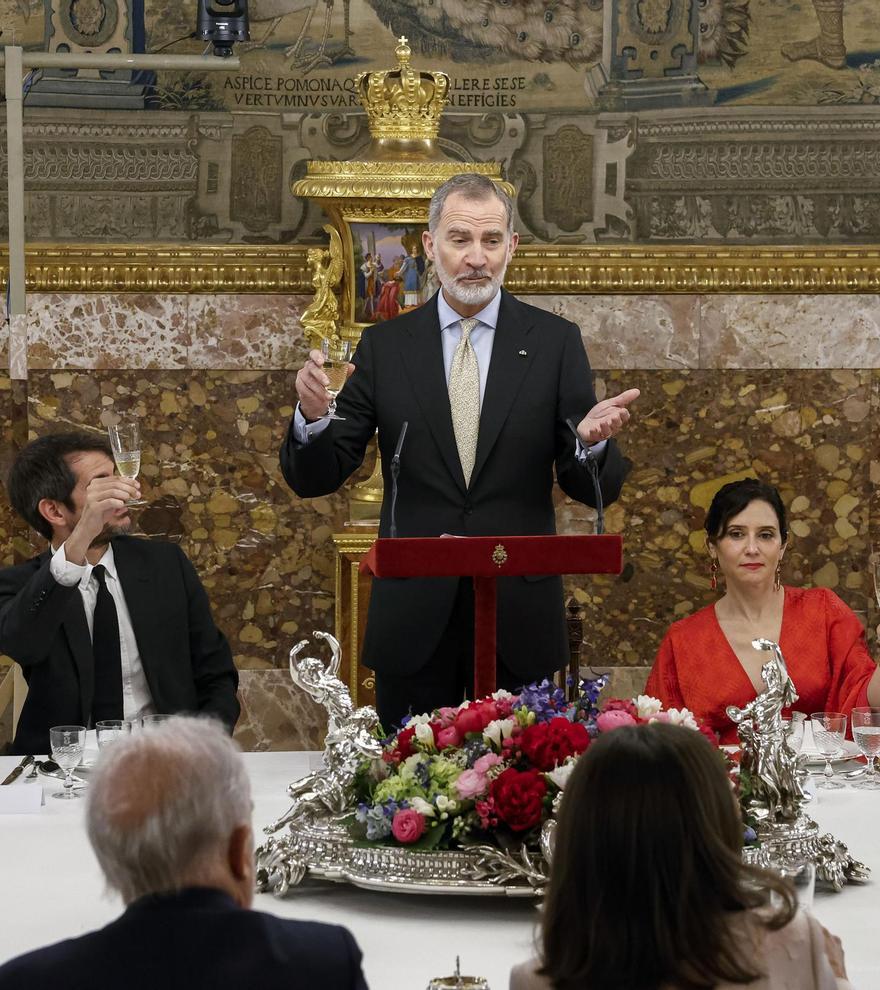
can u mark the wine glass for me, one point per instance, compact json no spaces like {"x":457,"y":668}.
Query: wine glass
{"x":154,"y":721}
{"x":109,"y":730}
{"x":68,"y":744}
{"x":829,"y":728}
{"x":336,"y":354}
{"x":125,"y":440}
{"x":866,"y":732}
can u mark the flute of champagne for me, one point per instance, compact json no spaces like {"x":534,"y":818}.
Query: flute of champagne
{"x":125,"y":441}
{"x":336,"y":354}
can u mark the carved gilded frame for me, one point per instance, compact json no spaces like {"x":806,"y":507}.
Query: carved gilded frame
{"x":536,"y":268}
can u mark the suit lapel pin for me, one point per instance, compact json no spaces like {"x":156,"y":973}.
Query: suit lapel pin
{"x":523,"y":353}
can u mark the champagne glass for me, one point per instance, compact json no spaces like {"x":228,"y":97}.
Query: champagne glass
{"x":125,"y":440}
{"x":110,"y":729}
{"x":68,"y":744}
{"x":336,"y":354}
{"x":866,"y":732}
{"x":829,"y":728}
{"x":794,"y":730}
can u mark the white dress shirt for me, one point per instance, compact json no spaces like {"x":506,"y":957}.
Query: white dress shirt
{"x":136,"y":697}
{"x":482,"y":340}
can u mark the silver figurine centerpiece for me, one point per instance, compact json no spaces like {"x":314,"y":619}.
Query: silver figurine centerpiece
{"x":772,"y":785}
{"x":312,"y":839}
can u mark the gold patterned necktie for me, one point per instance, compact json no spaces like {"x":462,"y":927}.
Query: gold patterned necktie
{"x":464,"y":398}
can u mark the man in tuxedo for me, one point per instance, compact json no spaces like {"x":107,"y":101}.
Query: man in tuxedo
{"x":487,"y":385}
{"x":104,"y":625}
{"x":169,"y":820}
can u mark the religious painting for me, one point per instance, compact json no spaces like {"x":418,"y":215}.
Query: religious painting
{"x":391,"y":271}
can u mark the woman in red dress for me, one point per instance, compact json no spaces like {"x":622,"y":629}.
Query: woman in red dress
{"x":706,"y":661}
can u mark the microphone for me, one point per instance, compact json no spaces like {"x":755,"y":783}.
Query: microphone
{"x":592,"y":466}
{"x":395,"y":471}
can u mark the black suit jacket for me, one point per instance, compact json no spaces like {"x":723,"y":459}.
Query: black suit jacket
{"x":186,"y":659}
{"x":539,"y":375}
{"x":198,"y":938}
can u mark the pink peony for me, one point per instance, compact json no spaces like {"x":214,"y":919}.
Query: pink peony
{"x":448,"y":737}
{"x":408,"y":826}
{"x":471,"y":784}
{"x":446,"y":715}
{"x":614,"y":719}
{"x":484,"y":762}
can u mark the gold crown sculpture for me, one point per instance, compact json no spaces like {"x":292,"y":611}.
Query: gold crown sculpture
{"x":401,"y":103}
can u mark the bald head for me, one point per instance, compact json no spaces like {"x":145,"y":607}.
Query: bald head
{"x":164,"y":806}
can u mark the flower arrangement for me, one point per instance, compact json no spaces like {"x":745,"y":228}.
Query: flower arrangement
{"x":489,"y":771}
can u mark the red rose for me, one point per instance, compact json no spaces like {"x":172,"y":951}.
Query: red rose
{"x":447,"y":737}
{"x":488,"y":711}
{"x":517,"y":797}
{"x":404,"y":741}
{"x":710,"y":734}
{"x":407,"y":826}
{"x":549,"y":744}
{"x":468,"y":720}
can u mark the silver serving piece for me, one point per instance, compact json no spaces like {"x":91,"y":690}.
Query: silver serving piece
{"x":775,"y":777}
{"x":311,"y":837}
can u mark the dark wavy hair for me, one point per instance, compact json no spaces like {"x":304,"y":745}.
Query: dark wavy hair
{"x":647,"y":869}
{"x":41,"y":470}
{"x":732,"y":498}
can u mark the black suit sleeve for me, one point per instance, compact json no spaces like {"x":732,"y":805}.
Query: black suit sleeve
{"x":322,"y":466}
{"x":32,"y":607}
{"x":576,"y":398}
{"x":354,"y":956}
{"x":214,"y":672}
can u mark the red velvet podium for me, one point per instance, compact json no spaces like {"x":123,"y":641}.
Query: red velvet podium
{"x":485,"y":558}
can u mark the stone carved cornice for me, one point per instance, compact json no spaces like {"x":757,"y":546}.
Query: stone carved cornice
{"x":535,"y":269}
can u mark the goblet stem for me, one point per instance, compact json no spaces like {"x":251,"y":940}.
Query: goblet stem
{"x":829,"y":770}
{"x":68,"y":783}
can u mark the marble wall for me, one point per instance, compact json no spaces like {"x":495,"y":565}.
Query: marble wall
{"x":785,"y":387}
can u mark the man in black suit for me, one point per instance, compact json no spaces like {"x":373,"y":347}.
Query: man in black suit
{"x":486,"y":385}
{"x":169,"y":820}
{"x":103,"y":625}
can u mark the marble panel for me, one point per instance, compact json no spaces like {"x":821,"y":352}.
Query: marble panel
{"x":101,"y":331}
{"x":633,"y":331}
{"x":810,"y":433}
{"x":246,"y":331}
{"x":14,"y":545}
{"x":796,"y":331}
{"x":277,"y":715}
{"x":210,"y":475}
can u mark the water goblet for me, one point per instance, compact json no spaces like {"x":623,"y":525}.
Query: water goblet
{"x":866,"y":732}
{"x":125,"y":441}
{"x":68,"y":744}
{"x":109,"y":730}
{"x":336,"y":354}
{"x":829,"y":728}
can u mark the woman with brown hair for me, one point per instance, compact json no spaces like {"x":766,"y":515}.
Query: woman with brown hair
{"x":648,"y":890}
{"x":707,"y":662}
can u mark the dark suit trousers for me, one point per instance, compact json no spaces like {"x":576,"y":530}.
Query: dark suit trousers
{"x":447,"y":678}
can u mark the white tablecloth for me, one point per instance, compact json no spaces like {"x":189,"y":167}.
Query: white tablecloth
{"x":52,"y":889}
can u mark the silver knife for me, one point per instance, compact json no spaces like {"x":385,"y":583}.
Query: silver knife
{"x":17,"y":771}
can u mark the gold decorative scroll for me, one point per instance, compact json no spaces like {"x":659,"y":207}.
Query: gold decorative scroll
{"x":535,"y":269}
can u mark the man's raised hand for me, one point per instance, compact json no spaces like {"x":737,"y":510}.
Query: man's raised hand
{"x":607,"y":417}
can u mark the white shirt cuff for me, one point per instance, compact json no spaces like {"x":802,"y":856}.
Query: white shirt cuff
{"x":304,"y":432}
{"x":582,"y":452}
{"x":64,"y":571}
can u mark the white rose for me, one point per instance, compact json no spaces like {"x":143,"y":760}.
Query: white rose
{"x":425,"y":735}
{"x":502,"y":695}
{"x":418,"y":720}
{"x":560,"y":775}
{"x":445,"y":804}
{"x":422,"y":806}
{"x":647,"y":706}
{"x":682,"y":717}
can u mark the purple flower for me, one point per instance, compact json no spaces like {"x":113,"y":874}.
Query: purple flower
{"x":544,"y":699}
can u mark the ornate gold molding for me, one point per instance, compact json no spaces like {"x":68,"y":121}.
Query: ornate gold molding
{"x":536,"y":269}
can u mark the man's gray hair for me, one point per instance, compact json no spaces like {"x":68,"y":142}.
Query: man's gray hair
{"x":472,"y":186}
{"x":163,"y":804}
